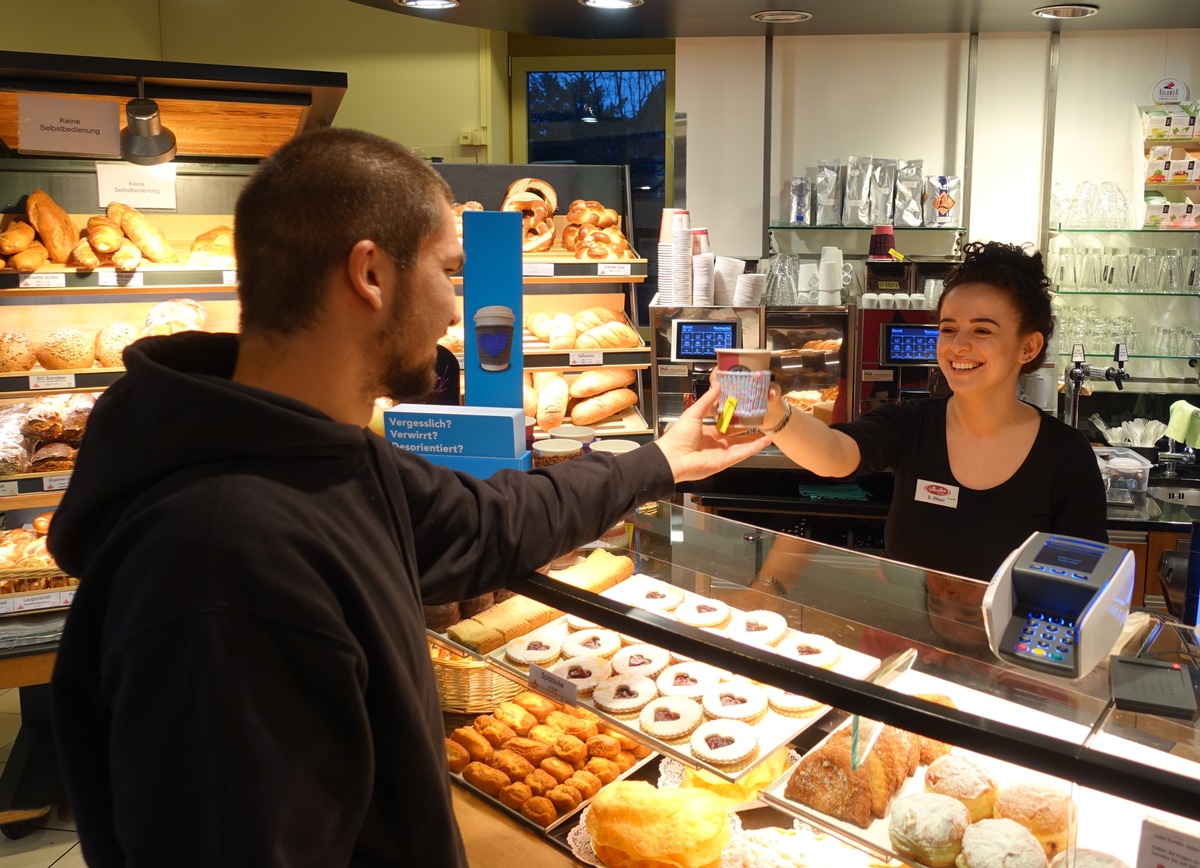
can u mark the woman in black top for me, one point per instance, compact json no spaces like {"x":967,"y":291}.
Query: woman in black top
{"x":979,"y":471}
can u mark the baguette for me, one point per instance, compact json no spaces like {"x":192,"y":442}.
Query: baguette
{"x":529,"y":401}
{"x":148,"y":237}
{"x":31,"y":258}
{"x":562,"y":332}
{"x":83,"y":255}
{"x":105,"y":235}
{"x":552,"y":402}
{"x":610,"y":335}
{"x":538,"y":324}
{"x":127,"y":257}
{"x":53,"y":225}
{"x":591,"y":317}
{"x":592,"y":410}
{"x":16,"y":238}
{"x":591,"y":383}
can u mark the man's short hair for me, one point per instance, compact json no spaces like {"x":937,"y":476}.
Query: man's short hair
{"x":308,"y":204}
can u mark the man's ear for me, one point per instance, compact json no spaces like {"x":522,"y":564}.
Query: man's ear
{"x":365,"y":268}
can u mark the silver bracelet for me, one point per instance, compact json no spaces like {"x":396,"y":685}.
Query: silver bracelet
{"x":787,"y":417}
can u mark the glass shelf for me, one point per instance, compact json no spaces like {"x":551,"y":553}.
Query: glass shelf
{"x":1108,"y":355}
{"x":792,"y":227}
{"x":1122,"y":292}
{"x":1144,"y":230}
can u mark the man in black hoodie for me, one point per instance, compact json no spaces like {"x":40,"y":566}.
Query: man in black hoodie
{"x":243,"y":679}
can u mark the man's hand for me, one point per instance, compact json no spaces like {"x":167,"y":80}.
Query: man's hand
{"x":695,"y":450}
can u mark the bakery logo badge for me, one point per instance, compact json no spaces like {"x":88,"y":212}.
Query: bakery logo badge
{"x":937,"y":493}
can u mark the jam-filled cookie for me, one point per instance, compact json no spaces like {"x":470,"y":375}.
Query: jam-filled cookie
{"x":641,"y":659}
{"x":596,"y":642}
{"x":538,"y":650}
{"x":624,"y":695}
{"x":670,"y":718}
{"x":735,"y":701}
{"x":760,"y":627}
{"x":692,"y":680}
{"x":811,"y":648}
{"x":584,"y":672}
{"x":724,"y":742}
{"x":702,"y":613}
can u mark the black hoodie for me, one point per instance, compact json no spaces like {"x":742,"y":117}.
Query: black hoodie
{"x":244,"y":678}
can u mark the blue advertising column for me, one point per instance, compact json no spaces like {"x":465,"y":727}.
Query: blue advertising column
{"x":492,"y":317}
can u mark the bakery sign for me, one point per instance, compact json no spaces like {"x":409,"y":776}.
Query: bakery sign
{"x":65,"y":126}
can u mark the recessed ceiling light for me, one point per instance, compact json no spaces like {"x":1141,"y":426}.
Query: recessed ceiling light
{"x":611,"y":4}
{"x":1067,"y":10}
{"x":781,"y":16}
{"x":426,"y":4}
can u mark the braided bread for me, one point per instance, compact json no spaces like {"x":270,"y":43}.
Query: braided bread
{"x":537,"y":203}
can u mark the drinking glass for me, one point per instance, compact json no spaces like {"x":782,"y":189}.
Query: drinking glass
{"x":1062,"y":270}
{"x":782,"y":280}
{"x":1170,"y":278}
{"x":1088,"y":277}
{"x":1191,"y":273}
{"x":1142,"y":277}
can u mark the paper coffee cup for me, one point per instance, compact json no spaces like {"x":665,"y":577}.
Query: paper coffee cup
{"x":615,"y":447}
{"x":581,"y":434}
{"x":494,"y":336}
{"x":743,"y":360}
{"x":749,"y":391}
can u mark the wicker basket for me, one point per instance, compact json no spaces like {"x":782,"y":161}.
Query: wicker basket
{"x":468,"y":686}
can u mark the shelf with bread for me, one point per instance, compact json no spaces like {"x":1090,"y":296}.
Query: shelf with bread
{"x":30,"y":580}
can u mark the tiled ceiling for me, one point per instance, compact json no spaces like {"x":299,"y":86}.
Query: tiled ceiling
{"x":675,"y":18}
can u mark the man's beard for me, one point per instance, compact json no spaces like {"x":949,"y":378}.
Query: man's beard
{"x":401,"y":376}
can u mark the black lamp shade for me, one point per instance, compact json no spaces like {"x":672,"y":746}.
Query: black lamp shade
{"x":145,"y":140}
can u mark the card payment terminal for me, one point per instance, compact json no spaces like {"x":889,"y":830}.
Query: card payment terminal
{"x":1058,"y":603}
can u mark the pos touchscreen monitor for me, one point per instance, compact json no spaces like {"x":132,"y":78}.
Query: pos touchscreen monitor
{"x":697,"y":340}
{"x":902,"y":343}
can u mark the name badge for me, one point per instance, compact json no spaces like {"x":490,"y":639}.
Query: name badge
{"x":937,"y":493}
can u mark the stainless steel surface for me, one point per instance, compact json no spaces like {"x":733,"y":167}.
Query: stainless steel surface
{"x":674,"y":18}
{"x":1173,"y":494}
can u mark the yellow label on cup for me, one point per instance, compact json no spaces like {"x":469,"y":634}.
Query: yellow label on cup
{"x":726,"y":415}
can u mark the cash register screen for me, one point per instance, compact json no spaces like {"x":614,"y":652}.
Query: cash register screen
{"x":699,"y":340}
{"x":903,"y":343}
{"x":1055,"y":553}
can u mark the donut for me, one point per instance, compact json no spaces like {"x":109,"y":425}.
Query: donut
{"x":670,"y":718}
{"x":596,"y":642}
{"x":928,"y":828}
{"x":534,"y":649}
{"x":811,"y":648}
{"x":759,"y":627}
{"x":702,"y":613}
{"x":732,"y":701}
{"x":641,"y":659}
{"x":956,"y":776}
{"x":1042,"y":809}
{"x":724,"y":742}
{"x":791,"y":704}
{"x":1084,"y":858}
{"x":692,"y":680}
{"x":584,"y":672}
{"x":1000,"y":844}
{"x":624,"y":695}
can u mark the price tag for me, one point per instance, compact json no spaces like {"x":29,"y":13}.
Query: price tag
{"x":1165,"y":844}
{"x":586,"y":357}
{"x":55,"y":483}
{"x":9,"y":489}
{"x":537,"y":269}
{"x":65,"y":598}
{"x":229,"y":278}
{"x":48,"y":600}
{"x":547,"y":682}
{"x":7,"y":605}
{"x":38,"y":280}
{"x":38,"y":382}
{"x":884,"y":376}
{"x":614,"y":269}
{"x":120,"y":278}
{"x":672,"y":370}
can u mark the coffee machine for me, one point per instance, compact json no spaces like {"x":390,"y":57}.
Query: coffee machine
{"x":898,"y":357}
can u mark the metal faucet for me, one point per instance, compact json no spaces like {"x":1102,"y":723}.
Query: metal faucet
{"x":1081,"y":372}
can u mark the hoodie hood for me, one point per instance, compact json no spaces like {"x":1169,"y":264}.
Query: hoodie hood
{"x":177,"y":409}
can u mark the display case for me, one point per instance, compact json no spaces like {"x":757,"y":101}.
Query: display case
{"x":909,"y":651}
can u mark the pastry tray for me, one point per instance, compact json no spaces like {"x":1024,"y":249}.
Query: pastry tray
{"x":565,"y":818}
{"x":1105,"y":822}
{"x":773,"y":730}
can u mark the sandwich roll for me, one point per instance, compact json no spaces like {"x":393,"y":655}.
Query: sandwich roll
{"x":16,"y":238}
{"x":591,"y":410}
{"x":589,"y":318}
{"x":562,"y":332}
{"x":552,"y":402}
{"x":31,"y":258}
{"x":594,"y":382}
{"x":538,"y":324}
{"x":53,"y":224}
{"x":610,"y":335}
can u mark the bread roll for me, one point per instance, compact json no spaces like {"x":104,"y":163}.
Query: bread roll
{"x":552,"y":403}
{"x":562,"y":332}
{"x":148,"y":237}
{"x":591,"y":383}
{"x":53,"y":224}
{"x":529,"y":401}
{"x":17,"y":352}
{"x":538,"y":324}
{"x":31,"y":258}
{"x":213,"y":249}
{"x":127,"y":257}
{"x":591,"y":317}
{"x":67,"y":348}
{"x":111,"y":342}
{"x":610,"y":335}
{"x":592,"y":410}
{"x":104,"y":234}
{"x":83,"y":255}
{"x":115,"y":211}
{"x":16,"y":238}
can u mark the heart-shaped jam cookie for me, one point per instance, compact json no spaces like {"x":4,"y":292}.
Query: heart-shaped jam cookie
{"x":624,"y":691}
{"x":591,"y":642}
{"x":704,"y":608}
{"x":806,"y":650}
{"x":638,"y":660}
{"x":579,"y":672}
{"x":728,"y":699}
{"x":663,"y":715}
{"x":535,"y":645}
{"x":655,"y":595}
{"x":682,"y":679}
{"x":755,"y":626}
{"x":715,"y":742}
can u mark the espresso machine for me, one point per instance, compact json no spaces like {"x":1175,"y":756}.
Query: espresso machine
{"x":898,"y":357}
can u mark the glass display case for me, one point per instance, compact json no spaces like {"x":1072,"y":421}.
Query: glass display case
{"x":871,"y":642}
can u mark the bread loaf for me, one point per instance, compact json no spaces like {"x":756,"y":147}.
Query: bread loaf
{"x":552,"y":402}
{"x":591,"y":317}
{"x":529,"y":401}
{"x":591,"y":410}
{"x":16,"y":352}
{"x":591,"y":383}
{"x":127,"y":257}
{"x":83,"y":255}
{"x":31,"y":258}
{"x":148,"y":237}
{"x":66,"y":348}
{"x":111,"y":342}
{"x":16,"y":238}
{"x":610,"y":335}
{"x":538,"y":324}
{"x":600,"y":571}
{"x":105,"y":235}
{"x":213,"y":249}
{"x":562,"y":332}
{"x":53,"y":224}
{"x":115,"y":211}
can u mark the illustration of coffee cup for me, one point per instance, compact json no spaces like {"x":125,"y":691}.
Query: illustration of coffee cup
{"x":494,"y":336}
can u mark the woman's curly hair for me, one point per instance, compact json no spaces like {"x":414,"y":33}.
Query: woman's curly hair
{"x":1019,"y":275}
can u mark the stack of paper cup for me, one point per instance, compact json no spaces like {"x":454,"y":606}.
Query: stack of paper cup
{"x":700,"y":242}
{"x":703,"y":276}
{"x":726,"y":272}
{"x":749,"y":290}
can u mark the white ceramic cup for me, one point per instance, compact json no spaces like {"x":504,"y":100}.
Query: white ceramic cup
{"x":869,"y":300}
{"x":887,"y":300}
{"x":829,"y":298}
{"x":901,"y":300}
{"x":917,"y":301}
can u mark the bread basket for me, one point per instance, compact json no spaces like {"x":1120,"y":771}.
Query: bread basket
{"x":466,"y":685}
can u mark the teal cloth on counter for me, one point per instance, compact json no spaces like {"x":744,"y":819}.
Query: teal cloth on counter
{"x":840,"y":491}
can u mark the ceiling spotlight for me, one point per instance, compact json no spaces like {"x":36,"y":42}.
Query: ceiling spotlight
{"x":1067,"y":10}
{"x":781,"y":16}
{"x":427,"y":4}
{"x":145,"y":140}
{"x":611,"y":4}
